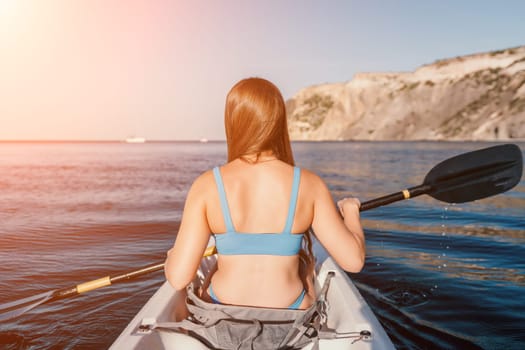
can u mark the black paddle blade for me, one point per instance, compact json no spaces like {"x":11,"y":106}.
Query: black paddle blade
{"x":475,"y":175}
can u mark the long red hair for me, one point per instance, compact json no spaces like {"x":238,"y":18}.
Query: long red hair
{"x":255,"y":121}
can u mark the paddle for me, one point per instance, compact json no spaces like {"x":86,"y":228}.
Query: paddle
{"x":19,"y":307}
{"x":466,"y":177}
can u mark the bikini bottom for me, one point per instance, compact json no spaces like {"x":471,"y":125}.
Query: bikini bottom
{"x":295,"y":305}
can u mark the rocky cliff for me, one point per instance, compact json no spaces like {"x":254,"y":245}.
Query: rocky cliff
{"x":475,"y":97}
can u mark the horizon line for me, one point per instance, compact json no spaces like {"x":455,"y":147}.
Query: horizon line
{"x":223,"y":141}
{"x":99,"y":141}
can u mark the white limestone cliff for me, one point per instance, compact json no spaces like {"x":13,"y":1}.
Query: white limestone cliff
{"x":475,"y":97}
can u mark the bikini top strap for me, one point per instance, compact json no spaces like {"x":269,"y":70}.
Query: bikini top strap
{"x":293,"y":200}
{"x":224,"y":202}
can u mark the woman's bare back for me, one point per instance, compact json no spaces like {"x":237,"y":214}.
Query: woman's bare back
{"x":258,"y":197}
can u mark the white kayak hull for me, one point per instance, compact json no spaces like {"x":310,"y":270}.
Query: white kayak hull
{"x":348,"y":312}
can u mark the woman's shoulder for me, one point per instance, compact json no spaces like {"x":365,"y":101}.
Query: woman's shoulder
{"x":311,"y":180}
{"x":309,"y":175}
{"x":203,"y":183}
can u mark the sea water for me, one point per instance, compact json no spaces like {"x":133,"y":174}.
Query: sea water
{"x":437,"y":275}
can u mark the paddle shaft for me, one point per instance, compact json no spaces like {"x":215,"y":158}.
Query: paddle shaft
{"x":19,"y":307}
{"x":105,"y":281}
{"x":109,"y":280}
{"x":395,"y":197}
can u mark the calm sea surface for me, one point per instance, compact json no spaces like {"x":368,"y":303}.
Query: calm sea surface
{"x":437,"y":276}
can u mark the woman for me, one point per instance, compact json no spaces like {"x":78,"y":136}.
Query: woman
{"x":259,"y":207}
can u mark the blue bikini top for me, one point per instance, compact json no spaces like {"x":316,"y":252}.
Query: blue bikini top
{"x":243,"y":243}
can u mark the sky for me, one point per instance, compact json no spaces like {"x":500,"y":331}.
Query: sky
{"x":159,"y":69}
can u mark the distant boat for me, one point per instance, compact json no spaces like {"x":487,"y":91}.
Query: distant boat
{"x":203,"y":140}
{"x":135,"y":140}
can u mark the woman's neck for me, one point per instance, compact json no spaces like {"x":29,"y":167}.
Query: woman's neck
{"x":262,"y":157}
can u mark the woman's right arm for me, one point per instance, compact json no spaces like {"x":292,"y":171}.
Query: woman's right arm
{"x":343,"y":238}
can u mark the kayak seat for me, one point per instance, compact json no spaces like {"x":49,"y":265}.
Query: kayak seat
{"x":220,"y":326}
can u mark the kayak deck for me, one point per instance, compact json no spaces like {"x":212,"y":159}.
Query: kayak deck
{"x":348,"y":313}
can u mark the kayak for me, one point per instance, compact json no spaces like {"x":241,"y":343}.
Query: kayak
{"x":347,"y":313}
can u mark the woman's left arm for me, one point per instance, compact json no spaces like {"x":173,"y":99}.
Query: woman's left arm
{"x":194,"y":233}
